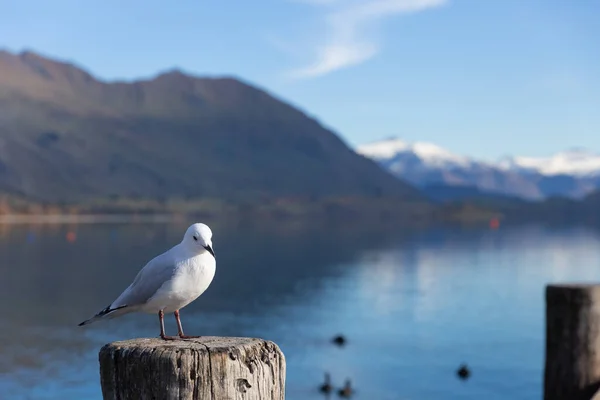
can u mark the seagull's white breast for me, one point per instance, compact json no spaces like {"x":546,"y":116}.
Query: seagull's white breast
{"x":191,"y":278}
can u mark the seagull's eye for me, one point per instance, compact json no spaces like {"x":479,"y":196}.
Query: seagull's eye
{"x":195,"y":238}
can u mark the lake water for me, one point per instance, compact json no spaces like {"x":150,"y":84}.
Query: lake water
{"x":414,"y":306}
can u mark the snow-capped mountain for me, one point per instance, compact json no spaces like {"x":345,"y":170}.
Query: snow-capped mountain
{"x":577,"y":162}
{"x":572,"y":173}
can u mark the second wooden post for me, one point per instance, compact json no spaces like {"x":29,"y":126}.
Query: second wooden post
{"x":572,"y":370}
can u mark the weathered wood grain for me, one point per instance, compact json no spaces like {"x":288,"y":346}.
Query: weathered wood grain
{"x":209,"y":368}
{"x":572,"y":367}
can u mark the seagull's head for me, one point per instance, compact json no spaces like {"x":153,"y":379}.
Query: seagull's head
{"x":199,"y":237}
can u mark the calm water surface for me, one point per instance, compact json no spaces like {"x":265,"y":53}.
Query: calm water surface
{"x":413,"y":306}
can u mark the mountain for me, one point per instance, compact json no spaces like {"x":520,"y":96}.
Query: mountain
{"x":66,"y":135}
{"x":574,"y":162}
{"x":571,"y":174}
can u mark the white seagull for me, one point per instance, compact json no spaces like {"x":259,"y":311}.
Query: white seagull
{"x":169,"y":281}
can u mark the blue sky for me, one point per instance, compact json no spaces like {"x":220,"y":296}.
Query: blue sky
{"x":479,"y":77}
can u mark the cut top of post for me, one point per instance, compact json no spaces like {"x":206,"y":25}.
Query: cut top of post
{"x":204,"y":368}
{"x":572,"y":293}
{"x":573,"y":286}
{"x":216,"y":343}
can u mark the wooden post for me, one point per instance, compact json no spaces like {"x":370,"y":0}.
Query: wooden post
{"x":572,"y":370}
{"x":209,"y":368}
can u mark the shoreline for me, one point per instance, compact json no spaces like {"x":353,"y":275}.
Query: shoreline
{"x":85,"y":218}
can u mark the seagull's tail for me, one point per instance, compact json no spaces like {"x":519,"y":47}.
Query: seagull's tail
{"x":107,"y":313}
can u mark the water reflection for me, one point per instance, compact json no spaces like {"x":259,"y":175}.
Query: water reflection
{"x":413,"y":306}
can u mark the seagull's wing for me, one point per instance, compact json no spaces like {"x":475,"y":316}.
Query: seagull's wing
{"x":147,"y":282}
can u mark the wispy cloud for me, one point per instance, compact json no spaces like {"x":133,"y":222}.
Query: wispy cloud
{"x":317,"y":2}
{"x":347,"y":42}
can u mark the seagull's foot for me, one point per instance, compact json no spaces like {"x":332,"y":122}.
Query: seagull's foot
{"x":189,"y":337}
{"x":165,"y":337}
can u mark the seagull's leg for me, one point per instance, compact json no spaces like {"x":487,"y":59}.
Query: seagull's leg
{"x":180,"y":328}
{"x":161,"y":318}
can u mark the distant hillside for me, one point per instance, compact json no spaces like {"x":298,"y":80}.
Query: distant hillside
{"x":450,"y":193}
{"x":556,"y":210}
{"x":67,"y":136}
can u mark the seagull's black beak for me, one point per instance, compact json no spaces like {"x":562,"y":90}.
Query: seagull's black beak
{"x":210,"y":250}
